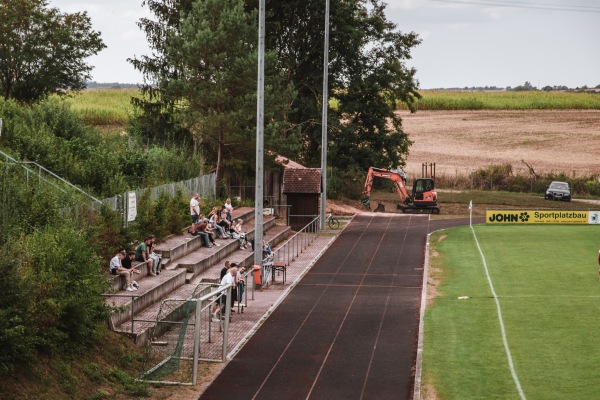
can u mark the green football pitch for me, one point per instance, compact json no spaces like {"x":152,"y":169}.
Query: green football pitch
{"x":548,"y":296}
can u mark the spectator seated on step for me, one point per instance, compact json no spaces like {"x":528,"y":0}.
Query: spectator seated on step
{"x":127,"y":263}
{"x":116,"y":268}
{"x":199,"y":229}
{"x":238,"y":233}
{"x":142,"y":255}
{"x":213,"y":221}
{"x":267,"y":253}
{"x":212,"y":235}
{"x":156,"y":259}
{"x":224,"y":223}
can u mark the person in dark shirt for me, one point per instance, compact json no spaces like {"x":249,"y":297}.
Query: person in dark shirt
{"x":127,"y":264}
{"x":224,"y":270}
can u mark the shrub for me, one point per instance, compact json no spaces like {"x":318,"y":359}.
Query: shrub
{"x":49,"y":294}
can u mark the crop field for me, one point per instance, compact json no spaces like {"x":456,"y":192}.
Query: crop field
{"x":514,"y":100}
{"x":548,"y":293}
{"x":104,"y":106}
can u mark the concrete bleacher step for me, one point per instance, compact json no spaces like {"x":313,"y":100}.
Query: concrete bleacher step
{"x":146,"y":318}
{"x":179,"y":246}
{"x":195,"y":265}
{"x":151,"y":290}
{"x":198,"y":261}
{"x":172,"y":281}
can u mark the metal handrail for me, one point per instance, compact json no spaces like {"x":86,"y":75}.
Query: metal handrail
{"x":291,"y":248}
{"x":40,"y":167}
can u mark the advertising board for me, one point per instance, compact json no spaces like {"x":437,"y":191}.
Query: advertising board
{"x":541,"y":217}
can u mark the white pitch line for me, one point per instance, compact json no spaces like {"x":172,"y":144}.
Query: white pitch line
{"x":504,"y":340}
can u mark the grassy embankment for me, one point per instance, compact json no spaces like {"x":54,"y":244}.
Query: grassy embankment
{"x":546,"y":282}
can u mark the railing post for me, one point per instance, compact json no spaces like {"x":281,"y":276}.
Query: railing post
{"x":197,"y":329}
{"x":226,"y":328}
{"x":133,"y":314}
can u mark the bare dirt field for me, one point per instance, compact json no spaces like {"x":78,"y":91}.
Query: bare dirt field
{"x":462,"y":141}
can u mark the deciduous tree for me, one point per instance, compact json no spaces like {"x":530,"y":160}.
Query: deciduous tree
{"x":43,"y":50}
{"x":367,"y":76}
{"x":205,"y":70}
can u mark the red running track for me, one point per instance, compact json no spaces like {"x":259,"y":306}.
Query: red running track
{"x":349,"y":329}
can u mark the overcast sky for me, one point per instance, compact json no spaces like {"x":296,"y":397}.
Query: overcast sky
{"x":465,"y":42}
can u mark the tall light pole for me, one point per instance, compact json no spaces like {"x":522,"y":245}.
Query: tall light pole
{"x":324,"y":118}
{"x":260,"y":116}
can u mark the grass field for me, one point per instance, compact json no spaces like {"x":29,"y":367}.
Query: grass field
{"x":547,"y":284}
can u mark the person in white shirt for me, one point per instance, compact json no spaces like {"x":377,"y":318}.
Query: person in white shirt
{"x":228,"y":210}
{"x":116,"y":268}
{"x":238,"y":233}
{"x":195,"y":209}
{"x":221,"y":302}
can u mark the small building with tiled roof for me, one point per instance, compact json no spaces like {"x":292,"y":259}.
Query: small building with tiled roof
{"x":302,"y":188}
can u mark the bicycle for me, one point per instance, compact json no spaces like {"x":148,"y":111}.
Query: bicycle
{"x":332,"y":221}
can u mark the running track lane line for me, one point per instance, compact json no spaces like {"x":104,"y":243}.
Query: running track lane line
{"x":346,"y":315}
{"x":419,"y":360}
{"x":305,"y":319}
{"x":504,"y":340}
{"x":387,"y":302}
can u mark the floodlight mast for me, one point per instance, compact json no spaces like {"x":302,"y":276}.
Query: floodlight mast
{"x":324,"y":119}
{"x":260,"y":116}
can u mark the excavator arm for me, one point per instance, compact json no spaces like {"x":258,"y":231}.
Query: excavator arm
{"x":395,"y":177}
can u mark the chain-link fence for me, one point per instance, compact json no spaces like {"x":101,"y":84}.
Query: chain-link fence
{"x":187,"y":331}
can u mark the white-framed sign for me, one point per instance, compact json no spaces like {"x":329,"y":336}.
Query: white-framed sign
{"x":131,"y":206}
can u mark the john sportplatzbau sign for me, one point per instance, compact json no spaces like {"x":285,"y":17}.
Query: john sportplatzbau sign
{"x":541,"y":217}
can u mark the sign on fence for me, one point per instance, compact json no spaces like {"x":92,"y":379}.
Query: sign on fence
{"x":541,"y":217}
{"x":131,"y":206}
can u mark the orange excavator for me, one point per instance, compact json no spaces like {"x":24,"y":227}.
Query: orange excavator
{"x":422,"y":200}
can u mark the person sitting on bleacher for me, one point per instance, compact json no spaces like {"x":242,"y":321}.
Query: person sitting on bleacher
{"x":116,"y":268}
{"x":200,"y":229}
{"x":224,"y":223}
{"x":156,"y":259}
{"x":239,"y":234}
{"x":267,"y":253}
{"x":127,"y":263}
{"x":142,"y":255}
{"x":204,"y":230}
{"x":213,"y":220}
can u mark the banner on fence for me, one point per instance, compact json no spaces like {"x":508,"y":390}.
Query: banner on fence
{"x":131,"y":206}
{"x":541,"y":217}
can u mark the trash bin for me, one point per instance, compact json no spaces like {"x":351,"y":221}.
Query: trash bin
{"x":256,"y":272}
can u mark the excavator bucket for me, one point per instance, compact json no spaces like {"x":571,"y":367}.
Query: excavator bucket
{"x":380,"y":208}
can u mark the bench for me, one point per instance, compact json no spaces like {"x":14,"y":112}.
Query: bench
{"x":279,"y":266}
